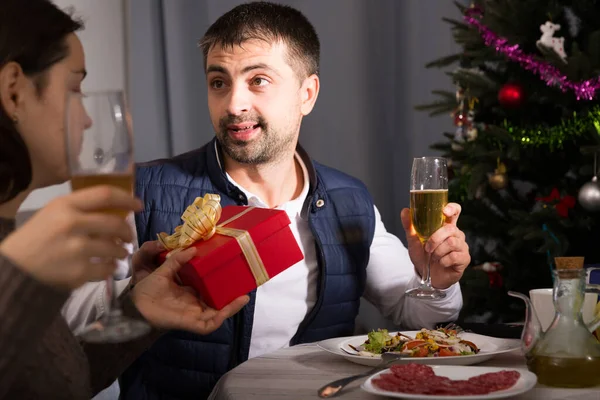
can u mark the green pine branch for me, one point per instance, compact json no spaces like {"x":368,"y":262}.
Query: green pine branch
{"x":444,"y":61}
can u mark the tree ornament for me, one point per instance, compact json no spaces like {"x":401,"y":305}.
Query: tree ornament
{"x":493,"y":270}
{"x":548,"y":39}
{"x":460,"y":119}
{"x":456,"y":146}
{"x":460,"y":94}
{"x":472,"y":133}
{"x":498,"y":180}
{"x":562,"y":204}
{"x":511,"y":95}
{"x":471,"y":128}
{"x":589,"y":194}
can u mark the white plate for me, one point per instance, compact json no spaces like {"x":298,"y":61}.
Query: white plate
{"x":488,"y":348}
{"x":526,"y":382}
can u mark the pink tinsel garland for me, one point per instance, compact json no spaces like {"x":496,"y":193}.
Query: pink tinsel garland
{"x":550,"y":74}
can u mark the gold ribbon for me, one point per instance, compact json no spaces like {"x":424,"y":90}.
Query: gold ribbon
{"x":200,"y":222}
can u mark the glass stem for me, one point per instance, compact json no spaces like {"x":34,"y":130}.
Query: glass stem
{"x":114,"y":308}
{"x":426,"y":279}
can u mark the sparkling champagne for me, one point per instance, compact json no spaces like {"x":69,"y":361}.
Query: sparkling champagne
{"x":426,"y":211}
{"x":122,"y":181}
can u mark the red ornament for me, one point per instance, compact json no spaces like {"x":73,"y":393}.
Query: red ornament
{"x":496,"y":280}
{"x":562,"y":203}
{"x":511,"y":95}
{"x":459,"y":118}
{"x":493,"y":271}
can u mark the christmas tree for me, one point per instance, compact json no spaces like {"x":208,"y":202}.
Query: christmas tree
{"x":527,"y":117}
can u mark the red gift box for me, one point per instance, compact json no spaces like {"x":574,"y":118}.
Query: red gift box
{"x":221,"y":272}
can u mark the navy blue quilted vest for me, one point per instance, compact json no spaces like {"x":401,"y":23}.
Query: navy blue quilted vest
{"x":181,"y":365}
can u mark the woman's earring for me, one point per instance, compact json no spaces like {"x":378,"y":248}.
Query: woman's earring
{"x":15,"y":118}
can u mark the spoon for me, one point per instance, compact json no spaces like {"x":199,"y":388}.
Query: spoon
{"x":332,"y":389}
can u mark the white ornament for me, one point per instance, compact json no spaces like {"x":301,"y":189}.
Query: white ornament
{"x":548,"y":39}
{"x":471,"y":133}
{"x":457,"y":146}
{"x":459,"y":135}
{"x":589,"y":195}
{"x":490,"y":266}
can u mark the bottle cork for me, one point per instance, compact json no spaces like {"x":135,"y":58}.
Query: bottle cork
{"x":569,"y":262}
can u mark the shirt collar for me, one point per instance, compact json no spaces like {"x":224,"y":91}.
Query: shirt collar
{"x":293,"y":206}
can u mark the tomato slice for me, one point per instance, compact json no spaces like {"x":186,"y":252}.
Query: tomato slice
{"x":446,"y":352}
{"x":414,"y":343}
{"x":421,"y":352}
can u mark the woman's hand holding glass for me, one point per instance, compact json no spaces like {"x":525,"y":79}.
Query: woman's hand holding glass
{"x":71,"y":241}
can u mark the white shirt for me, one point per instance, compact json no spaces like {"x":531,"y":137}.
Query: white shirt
{"x":283,"y":302}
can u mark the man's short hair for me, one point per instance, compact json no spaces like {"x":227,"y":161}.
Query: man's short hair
{"x":271,"y":23}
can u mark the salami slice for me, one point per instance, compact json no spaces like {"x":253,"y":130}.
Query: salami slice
{"x":421,"y":379}
{"x":415,"y":371}
{"x":498,"y":380}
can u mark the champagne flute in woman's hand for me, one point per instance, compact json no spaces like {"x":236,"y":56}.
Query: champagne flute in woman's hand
{"x":99,"y":143}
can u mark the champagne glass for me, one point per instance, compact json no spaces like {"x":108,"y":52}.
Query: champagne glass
{"x":428,"y":197}
{"x":99,"y":147}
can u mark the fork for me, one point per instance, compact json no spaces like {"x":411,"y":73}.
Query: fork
{"x":452,"y":326}
{"x":332,"y":389}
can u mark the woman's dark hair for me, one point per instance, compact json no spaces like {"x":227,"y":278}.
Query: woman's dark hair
{"x":32,"y":34}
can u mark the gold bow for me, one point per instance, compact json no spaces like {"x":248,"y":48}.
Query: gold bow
{"x":200,"y":222}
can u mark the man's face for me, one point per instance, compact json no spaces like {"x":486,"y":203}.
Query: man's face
{"x":256,"y":101}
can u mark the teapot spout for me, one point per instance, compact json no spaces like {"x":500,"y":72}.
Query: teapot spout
{"x":532,"y":330}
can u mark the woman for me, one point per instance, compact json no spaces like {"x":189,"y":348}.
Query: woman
{"x":41,"y":60}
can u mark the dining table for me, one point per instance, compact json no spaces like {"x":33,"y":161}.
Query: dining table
{"x":297,"y":373}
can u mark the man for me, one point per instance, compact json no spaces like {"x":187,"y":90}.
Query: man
{"x":262,"y":63}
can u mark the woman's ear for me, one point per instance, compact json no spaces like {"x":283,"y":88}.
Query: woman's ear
{"x":12,"y":81}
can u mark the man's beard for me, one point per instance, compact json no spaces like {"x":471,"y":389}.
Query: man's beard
{"x":264,"y":149}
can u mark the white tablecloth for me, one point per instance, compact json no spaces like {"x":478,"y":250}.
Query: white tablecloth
{"x":297,"y":372}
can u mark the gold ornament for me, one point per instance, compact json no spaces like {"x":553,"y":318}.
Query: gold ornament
{"x":498,"y":180}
